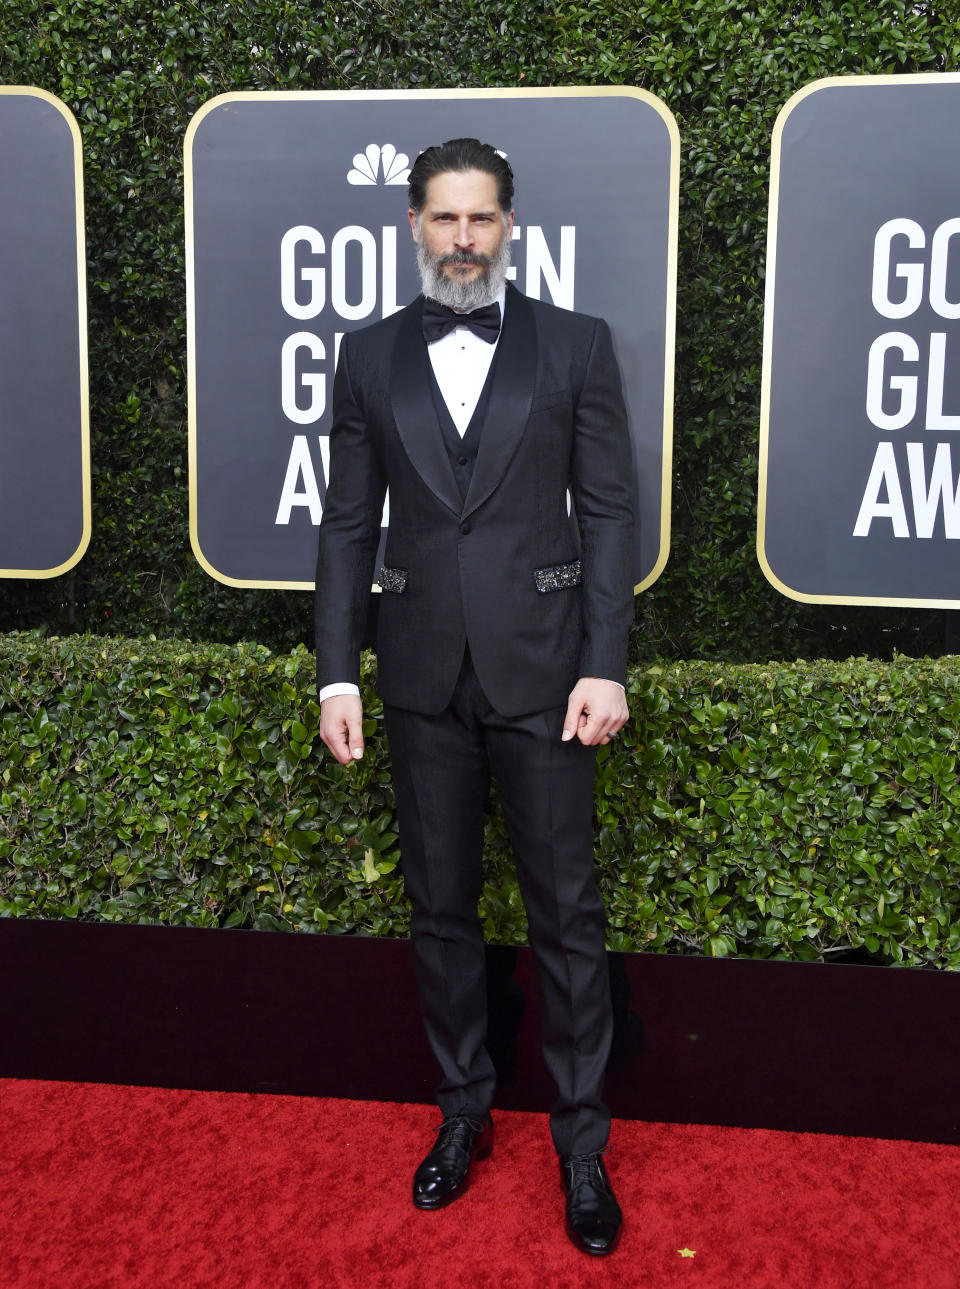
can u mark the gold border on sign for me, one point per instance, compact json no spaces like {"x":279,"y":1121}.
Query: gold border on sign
{"x":568,"y":91}
{"x":31,"y":91}
{"x":828,"y":82}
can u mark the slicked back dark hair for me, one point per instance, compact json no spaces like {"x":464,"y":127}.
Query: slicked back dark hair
{"x":460,"y":154}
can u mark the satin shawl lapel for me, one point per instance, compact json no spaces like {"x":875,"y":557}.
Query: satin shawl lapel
{"x":514,"y":376}
{"x":414,"y":412}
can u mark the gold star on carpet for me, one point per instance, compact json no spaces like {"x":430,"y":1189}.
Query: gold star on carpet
{"x":687,"y":1253}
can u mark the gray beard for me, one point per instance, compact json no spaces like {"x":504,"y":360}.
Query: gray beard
{"x":457,"y":293}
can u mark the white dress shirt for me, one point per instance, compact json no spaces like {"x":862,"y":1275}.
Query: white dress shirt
{"x":461,"y":363}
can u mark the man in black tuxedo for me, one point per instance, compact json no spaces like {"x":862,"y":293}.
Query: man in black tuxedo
{"x":501,"y":641}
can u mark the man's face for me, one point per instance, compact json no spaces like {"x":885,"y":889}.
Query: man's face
{"x":460,"y":234}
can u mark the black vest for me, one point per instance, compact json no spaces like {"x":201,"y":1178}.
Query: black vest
{"x":463,"y":451}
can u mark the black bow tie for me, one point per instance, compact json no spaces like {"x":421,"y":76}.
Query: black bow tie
{"x":438,"y":320}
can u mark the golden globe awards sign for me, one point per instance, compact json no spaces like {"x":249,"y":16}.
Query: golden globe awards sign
{"x":44,"y":413}
{"x":859,"y":498}
{"x":296,"y":212}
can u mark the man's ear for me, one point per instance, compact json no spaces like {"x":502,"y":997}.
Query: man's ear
{"x":414,"y":219}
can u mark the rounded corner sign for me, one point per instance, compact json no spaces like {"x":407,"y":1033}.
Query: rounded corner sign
{"x":859,"y":483}
{"x":44,"y":399}
{"x":297,"y":233}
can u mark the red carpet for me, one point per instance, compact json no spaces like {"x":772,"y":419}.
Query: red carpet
{"x":104,"y":1187}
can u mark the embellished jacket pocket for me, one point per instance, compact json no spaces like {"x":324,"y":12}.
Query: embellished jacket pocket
{"x":557,"y":577}
{"x":392,"y":579}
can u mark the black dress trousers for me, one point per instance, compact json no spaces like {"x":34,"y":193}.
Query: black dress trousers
{"x":441,"y":769}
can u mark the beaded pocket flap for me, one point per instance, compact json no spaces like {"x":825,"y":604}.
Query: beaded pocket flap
{"x":558,"y":576}
{"x":392,"y":579}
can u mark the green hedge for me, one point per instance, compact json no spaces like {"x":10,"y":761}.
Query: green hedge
{"x":796,"y":811}
{"x":134,"y":72}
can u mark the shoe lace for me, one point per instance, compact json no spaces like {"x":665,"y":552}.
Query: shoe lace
{"x":583,"y":1168}
{"x":459,"y":1130}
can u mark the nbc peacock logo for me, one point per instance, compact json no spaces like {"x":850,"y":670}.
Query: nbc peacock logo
{"x":379,"y":165}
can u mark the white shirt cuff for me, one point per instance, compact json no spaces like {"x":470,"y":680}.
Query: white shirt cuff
{"x":344,"y":687}
{"x":337,"y":689}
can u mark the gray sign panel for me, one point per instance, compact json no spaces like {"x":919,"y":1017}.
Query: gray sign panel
{"x":860,"y":429}
{"x":44,"y":413}
{"x":297,"y":233}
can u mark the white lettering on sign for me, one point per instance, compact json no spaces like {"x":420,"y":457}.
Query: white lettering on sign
{"x":930,"y":495}
{"x":880,"y":380}
{"x":366,"y":253}
{"x":936,"y":418}
{"x":941,"y":492}
{"x":542,"y":269}
{"x":906,"y":380}
{"x":294,"y":380}
{"x":883,"y":477}
{"x":301,"y":483}
{"x":361,"y":264}
{"x":303,"y":271}
{"x":939,"y":261}
{"x":292,"y":273}
{"x":913,"y":272}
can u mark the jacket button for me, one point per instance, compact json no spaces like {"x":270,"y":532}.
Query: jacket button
{"x":465,"y":528}
{"x":463,"y":460}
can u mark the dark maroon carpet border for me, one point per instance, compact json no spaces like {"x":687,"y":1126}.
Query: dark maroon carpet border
{"x":864,"y":1051}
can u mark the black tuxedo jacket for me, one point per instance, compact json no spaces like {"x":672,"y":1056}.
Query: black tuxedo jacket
{"x":541,"y":596}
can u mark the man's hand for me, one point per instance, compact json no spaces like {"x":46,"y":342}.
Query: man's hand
{"x":596,"y":711}
{"x":341,"y":726}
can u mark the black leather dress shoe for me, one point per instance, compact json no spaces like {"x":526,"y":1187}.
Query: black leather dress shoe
{"x":444,"y":1173}
{"x":593,"y":1214}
